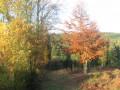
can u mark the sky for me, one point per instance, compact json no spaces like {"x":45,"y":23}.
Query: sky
{"x":106,"y":13}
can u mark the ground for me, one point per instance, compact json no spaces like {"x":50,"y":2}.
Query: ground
{"x":108,"y":79}
{"x":62,"y":80}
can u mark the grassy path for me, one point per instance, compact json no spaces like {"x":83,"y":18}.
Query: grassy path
{"x":107,"y":79}
{"x":61,"y":80}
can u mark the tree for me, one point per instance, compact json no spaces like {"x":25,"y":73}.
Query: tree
{"x":23,"y":9}
{"x":83,"y":37}
{"x":45,"y":16}
{"x":15,"y":52}
{"x":17,"y":8}
{"x":113,"y":55}
{"x":5,"y":9}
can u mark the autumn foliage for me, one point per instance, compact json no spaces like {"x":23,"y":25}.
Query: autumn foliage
{"x":21,"y":53}
{"x":82,"y":37}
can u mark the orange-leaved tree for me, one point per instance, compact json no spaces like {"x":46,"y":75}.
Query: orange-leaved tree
{"x":83,"y":37}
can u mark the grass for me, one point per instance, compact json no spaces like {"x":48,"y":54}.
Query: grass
{"x":116,"y":72}
{"x":97,"y":74}
{"x":64,"y":77}
{"x":61,"y":80}
{"x":50,"y":85}
{"x":105,"y":74}
{"x":64,"y":80}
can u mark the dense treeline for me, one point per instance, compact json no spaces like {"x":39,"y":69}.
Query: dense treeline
{"x":59,"y":57}
{"x":113,"y":54}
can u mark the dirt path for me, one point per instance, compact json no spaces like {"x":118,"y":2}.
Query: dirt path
{"x":61,"y":80}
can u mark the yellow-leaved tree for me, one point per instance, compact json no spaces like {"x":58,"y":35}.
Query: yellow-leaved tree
{"x":5,"y":7}
{"x":16,"y":50}
{"x":19,"y":45}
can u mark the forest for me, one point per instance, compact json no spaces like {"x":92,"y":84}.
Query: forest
{"x":33,"y":58}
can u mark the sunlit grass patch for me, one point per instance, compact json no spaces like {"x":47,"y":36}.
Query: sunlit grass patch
{"x":97,"y":74}
{"x":116,"y":72}
{"x":93,"y":80}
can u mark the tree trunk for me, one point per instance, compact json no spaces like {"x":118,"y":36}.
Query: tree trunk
{"x":72,"y":65}
{"x":102,"y":64}
{"x":89,"y":66}
{"x":85,"y":67}
{"x":38,"y":6}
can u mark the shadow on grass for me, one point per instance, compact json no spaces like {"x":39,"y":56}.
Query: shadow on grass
{"x":64,"y":80}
